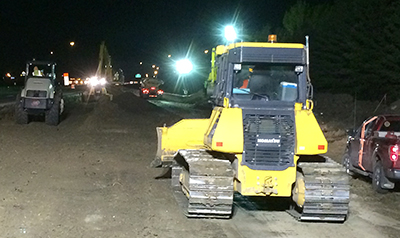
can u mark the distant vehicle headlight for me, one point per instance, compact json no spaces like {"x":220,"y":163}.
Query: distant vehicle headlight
{"x":94,"y":81}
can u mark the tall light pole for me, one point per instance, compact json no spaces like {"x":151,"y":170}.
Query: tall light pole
{"x":184,"y":67}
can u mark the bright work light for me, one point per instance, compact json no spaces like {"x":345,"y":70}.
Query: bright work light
{"x":184,"y":66}
{"x":230,"y":33}
{"x":94,"y":81}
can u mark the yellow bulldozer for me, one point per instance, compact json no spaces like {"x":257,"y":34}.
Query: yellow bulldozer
{"x":262,"y":139}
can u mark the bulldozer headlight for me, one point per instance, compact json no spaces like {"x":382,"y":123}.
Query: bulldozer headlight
{"x":237,"y":67}
{"x":299,"y":69}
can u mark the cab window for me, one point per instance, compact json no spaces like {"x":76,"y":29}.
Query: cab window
{"x":266,"y":82}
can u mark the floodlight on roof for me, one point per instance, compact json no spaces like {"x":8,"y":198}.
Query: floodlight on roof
{"x":230,"y":33}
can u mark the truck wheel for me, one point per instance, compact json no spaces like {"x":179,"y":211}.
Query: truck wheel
{"x":52,"y":116}
{"x":346,"y":164}
{"x":20,"y":115}
{"x":378,"y":178}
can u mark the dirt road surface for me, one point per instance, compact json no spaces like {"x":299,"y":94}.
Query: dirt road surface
{"x":90,"y":177}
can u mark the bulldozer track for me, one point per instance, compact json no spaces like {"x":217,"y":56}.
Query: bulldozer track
{"x":327,"y":192}
{"x":203,"y":185}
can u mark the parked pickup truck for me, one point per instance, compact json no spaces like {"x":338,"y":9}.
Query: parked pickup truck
{"x":373,"y":150}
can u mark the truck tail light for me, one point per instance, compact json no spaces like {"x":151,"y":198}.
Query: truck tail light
{"x":394,"y":152}
{"x":145,"y":91}
{"x":160,"y":92}
{"x":153,"y":88}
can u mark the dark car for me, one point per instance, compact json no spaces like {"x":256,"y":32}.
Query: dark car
{"x":373,"y":150}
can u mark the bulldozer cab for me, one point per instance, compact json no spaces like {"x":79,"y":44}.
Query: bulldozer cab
{"x":254,"y":73}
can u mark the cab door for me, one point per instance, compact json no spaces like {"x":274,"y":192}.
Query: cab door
{"x":361,"y":145}
{"x":368,"y":149}
{"x":354,"y":147}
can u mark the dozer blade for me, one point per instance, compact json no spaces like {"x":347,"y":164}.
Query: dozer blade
{"x":185,"y":134}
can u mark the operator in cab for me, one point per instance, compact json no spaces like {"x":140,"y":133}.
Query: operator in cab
{"x":245,"y":82}
{"x":37,"y":72}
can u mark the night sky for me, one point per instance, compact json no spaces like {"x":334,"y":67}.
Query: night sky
{"x":134,"y":31}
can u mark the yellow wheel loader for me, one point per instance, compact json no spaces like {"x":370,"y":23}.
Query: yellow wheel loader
{"x":262,"y":139}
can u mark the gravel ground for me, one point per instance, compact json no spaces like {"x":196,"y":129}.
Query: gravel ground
{"x":90,"y":177}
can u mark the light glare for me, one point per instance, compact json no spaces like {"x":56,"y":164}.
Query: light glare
{"x":184,"y":66}
{"x":230,"y":33}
